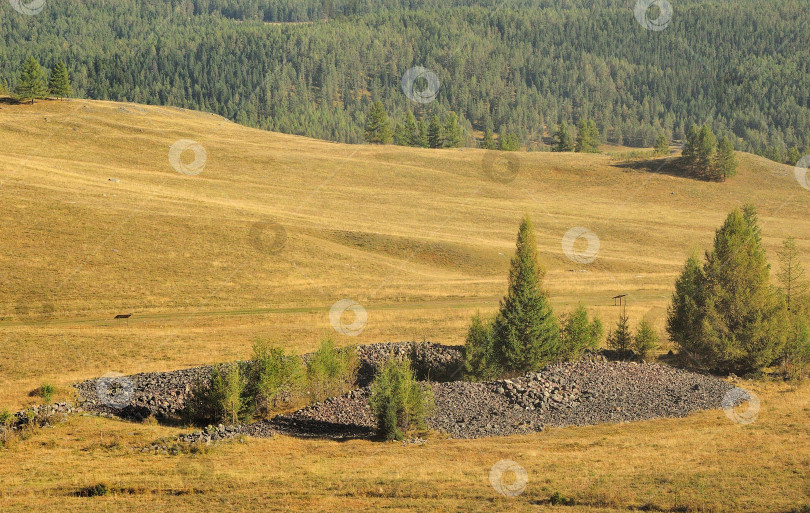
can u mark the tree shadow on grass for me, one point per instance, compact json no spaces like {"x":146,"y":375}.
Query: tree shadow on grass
{"x":8,"y":100}
{"x":672,"y":166}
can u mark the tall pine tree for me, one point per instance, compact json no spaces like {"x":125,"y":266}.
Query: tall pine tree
{"x":525,"y":332}
{"x":59,"y":81}
{"x":378,"y":127}
{"x":562,"y":139}
{"x":725,"y":163}
{"x":743,"y":322}
{"x":435,"y":133}
{"x":31,"y":82}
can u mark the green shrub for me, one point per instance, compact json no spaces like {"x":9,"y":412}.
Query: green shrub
{"x":46,"y":392}
{"x":578,"y":334}
{"x":558,"y":499}
{"x":645,"y":341}
{"x":276,"y":378}
{"x":480,"y":359}
{"x":331,"y":371}
{"x":398,"y":401}
{"x":219,"y":399}
{"x":96,"y":490}
{"x":6,"y":417}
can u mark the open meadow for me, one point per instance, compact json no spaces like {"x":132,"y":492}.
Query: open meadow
{"x":252,"y":234}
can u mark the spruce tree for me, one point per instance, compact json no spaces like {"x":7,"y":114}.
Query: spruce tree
{"x":743,"y":322}
{"x":59,"y":81}
{"x":434,"y":133}
{"x":793,"y":156}
{"x":690,"y":146}
{"x":587,"y":137}
{"x":422,"y":138}
{"x":562,"y":139}
{"x":525,"y":332}
{"x":411,"y":130}
{"x":452,"y":131}
{"x":791,"y":273}
{"x":378,"y":127}
{"x":31,"y":82}
{"x":489,"y":140}
{"x":661,"y":145}
{"x":725,"y":163}
{"x":705,"y":150}
{"x":684,"y":312}
{"x":620,"y":339}
{"x":508,"y":142}
{"x":645,"y":340}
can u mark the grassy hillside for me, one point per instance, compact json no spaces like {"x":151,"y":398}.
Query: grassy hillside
{"x":277,"y":228}
{"x":420,"y":238}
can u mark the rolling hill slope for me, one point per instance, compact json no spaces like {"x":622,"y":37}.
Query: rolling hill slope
{"x":276,"y":228}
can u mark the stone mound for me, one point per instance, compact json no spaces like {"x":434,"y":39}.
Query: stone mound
{"x":567,"y":394}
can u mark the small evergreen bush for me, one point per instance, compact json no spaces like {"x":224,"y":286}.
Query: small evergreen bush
{"x":398,"y":401}
{"x":645,"y":340}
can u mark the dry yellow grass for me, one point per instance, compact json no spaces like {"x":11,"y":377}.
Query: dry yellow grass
{"x":420,"y":238}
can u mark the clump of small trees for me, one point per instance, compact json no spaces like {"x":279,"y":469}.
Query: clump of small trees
{"x":726,"y":316}
{"x":628,"y":345}
{"x":525,"y":335}
{"x":271,"y":381}
{"x":707,"y":158}
{"x":433,"y":133}
{"x":586,"y":141}
{"x":32,"y":84}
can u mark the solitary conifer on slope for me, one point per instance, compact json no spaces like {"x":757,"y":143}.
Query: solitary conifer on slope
{"x":525,"y":332}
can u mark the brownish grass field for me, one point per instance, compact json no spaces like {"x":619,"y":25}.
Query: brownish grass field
{"x":420,"y":238}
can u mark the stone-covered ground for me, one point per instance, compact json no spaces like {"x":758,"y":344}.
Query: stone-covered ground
{"x":590,"y":391}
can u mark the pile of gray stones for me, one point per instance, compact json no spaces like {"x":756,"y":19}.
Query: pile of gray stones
{"x":590,"y":391}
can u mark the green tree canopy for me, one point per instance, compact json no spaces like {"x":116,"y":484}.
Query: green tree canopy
{"x":526,"y":333}
{"x":739,"y":322}
{"x":31,"y":82}
{"x":59,"y":81}
{"x":562,"y":139}
{"x":378,"y":127}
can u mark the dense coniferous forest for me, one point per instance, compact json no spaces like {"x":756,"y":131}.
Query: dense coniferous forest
{"x":510,"y":66}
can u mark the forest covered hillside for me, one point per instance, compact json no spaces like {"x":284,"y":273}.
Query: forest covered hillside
{"x":516,"y":66}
